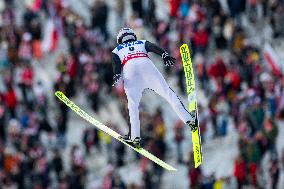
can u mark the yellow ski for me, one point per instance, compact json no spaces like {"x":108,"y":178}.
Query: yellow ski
{"x":191,"y":92}
{"x":109,"y":131}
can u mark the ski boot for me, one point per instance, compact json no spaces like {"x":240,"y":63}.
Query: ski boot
{"x":125,"y":138}
{"x":193,"y":126}
{"x":136,"y":143}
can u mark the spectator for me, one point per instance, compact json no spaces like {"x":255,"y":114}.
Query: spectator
{"x":25,"y":48}
{"x":11,"y":101}
{"x":200,"y":39}
{"x":173,"y":6}
{"x":194,"y":177}
{"x":99,"y":17}
{"x":150,"y":13}
{"x":219,"y":184}
{"x":27,"y":77}
{"x":117,"y":182}
{"x":236,"y":7}
{"x":208,"y":182}
{"x":137,"y":8}
{"x":277,"y":18}
{"x":274,"y":173}
{"x":107,"y":181}
{"x":57,"y":163}
{"x":120,"y":11}
{"x":179,"y":136}
{"x":148,"y":179}
{"x":270,"y":132}
{"x":217,"y":32}
{"x":2,"y":122}
{"x":91,"y":138}
{"x":240,"y":171}
{"x":222,"y":118}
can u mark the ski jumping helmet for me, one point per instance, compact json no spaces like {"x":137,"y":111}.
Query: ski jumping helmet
{"x":126,"y":35}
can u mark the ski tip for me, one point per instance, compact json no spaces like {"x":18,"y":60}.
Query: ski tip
{"x":170,"y":168}
{"x":173,"y":169}
{"x":183,"y":45}
{"x":57,"y":93}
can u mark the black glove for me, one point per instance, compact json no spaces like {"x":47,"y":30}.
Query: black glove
{"x":168,"y":60}
{"x":116,"y":78}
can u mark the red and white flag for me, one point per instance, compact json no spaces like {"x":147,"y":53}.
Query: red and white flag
{"x":272,"y":59}
{"x":50,"y":37}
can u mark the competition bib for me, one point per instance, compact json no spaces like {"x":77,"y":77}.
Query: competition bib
{"x":131,"y":50}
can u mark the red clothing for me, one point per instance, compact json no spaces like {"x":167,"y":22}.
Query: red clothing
{"x":27,"y":76}
{"x":200,"y":15}
{"x":174,"y":6}
{"x":72,"y":67}
{"x":11,"y":162}
{"x":36,"y":5}
{"x":252,"y":173}
{"x":240,"y":170}
{"x":253,"y":2}
{"x":37,"y":51}
{"x":58,"y":5}
{"x":234,"y":78}
{"x":217,"y":69}
{"x":107,"y":182}
{"x":200,"y":39}
{"x":10,"y":99}
{"x":194,"y":175}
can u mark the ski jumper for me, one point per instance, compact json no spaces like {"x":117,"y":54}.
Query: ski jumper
{"x":139,"y":73}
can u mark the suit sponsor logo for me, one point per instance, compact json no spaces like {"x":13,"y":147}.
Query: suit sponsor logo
{"x":129,"y":44}
{"x":131,"y":56}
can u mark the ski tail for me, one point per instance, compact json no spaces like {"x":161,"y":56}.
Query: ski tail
{"x":192,"y":106}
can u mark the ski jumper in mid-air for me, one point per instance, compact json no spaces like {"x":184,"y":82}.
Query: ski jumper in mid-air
{"x":132,"y":63}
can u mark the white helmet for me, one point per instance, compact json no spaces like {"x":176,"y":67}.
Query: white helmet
{"x":125,"y":35}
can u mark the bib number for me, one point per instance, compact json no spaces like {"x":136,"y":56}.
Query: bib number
{"x":131,"y":48}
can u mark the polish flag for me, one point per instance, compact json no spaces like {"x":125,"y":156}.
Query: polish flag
{"x":50,"y":37}
{"x":272,"y":59}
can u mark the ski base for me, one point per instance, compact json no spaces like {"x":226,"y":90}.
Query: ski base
{"x":109,"y":131}
{"x":192,"y":107}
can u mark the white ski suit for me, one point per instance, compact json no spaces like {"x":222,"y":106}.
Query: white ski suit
{"x":138,"y":74}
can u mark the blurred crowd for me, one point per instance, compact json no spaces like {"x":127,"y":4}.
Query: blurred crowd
{"x":231,"y":70}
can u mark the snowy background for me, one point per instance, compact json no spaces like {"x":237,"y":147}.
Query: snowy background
{"x":219,"y":153}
